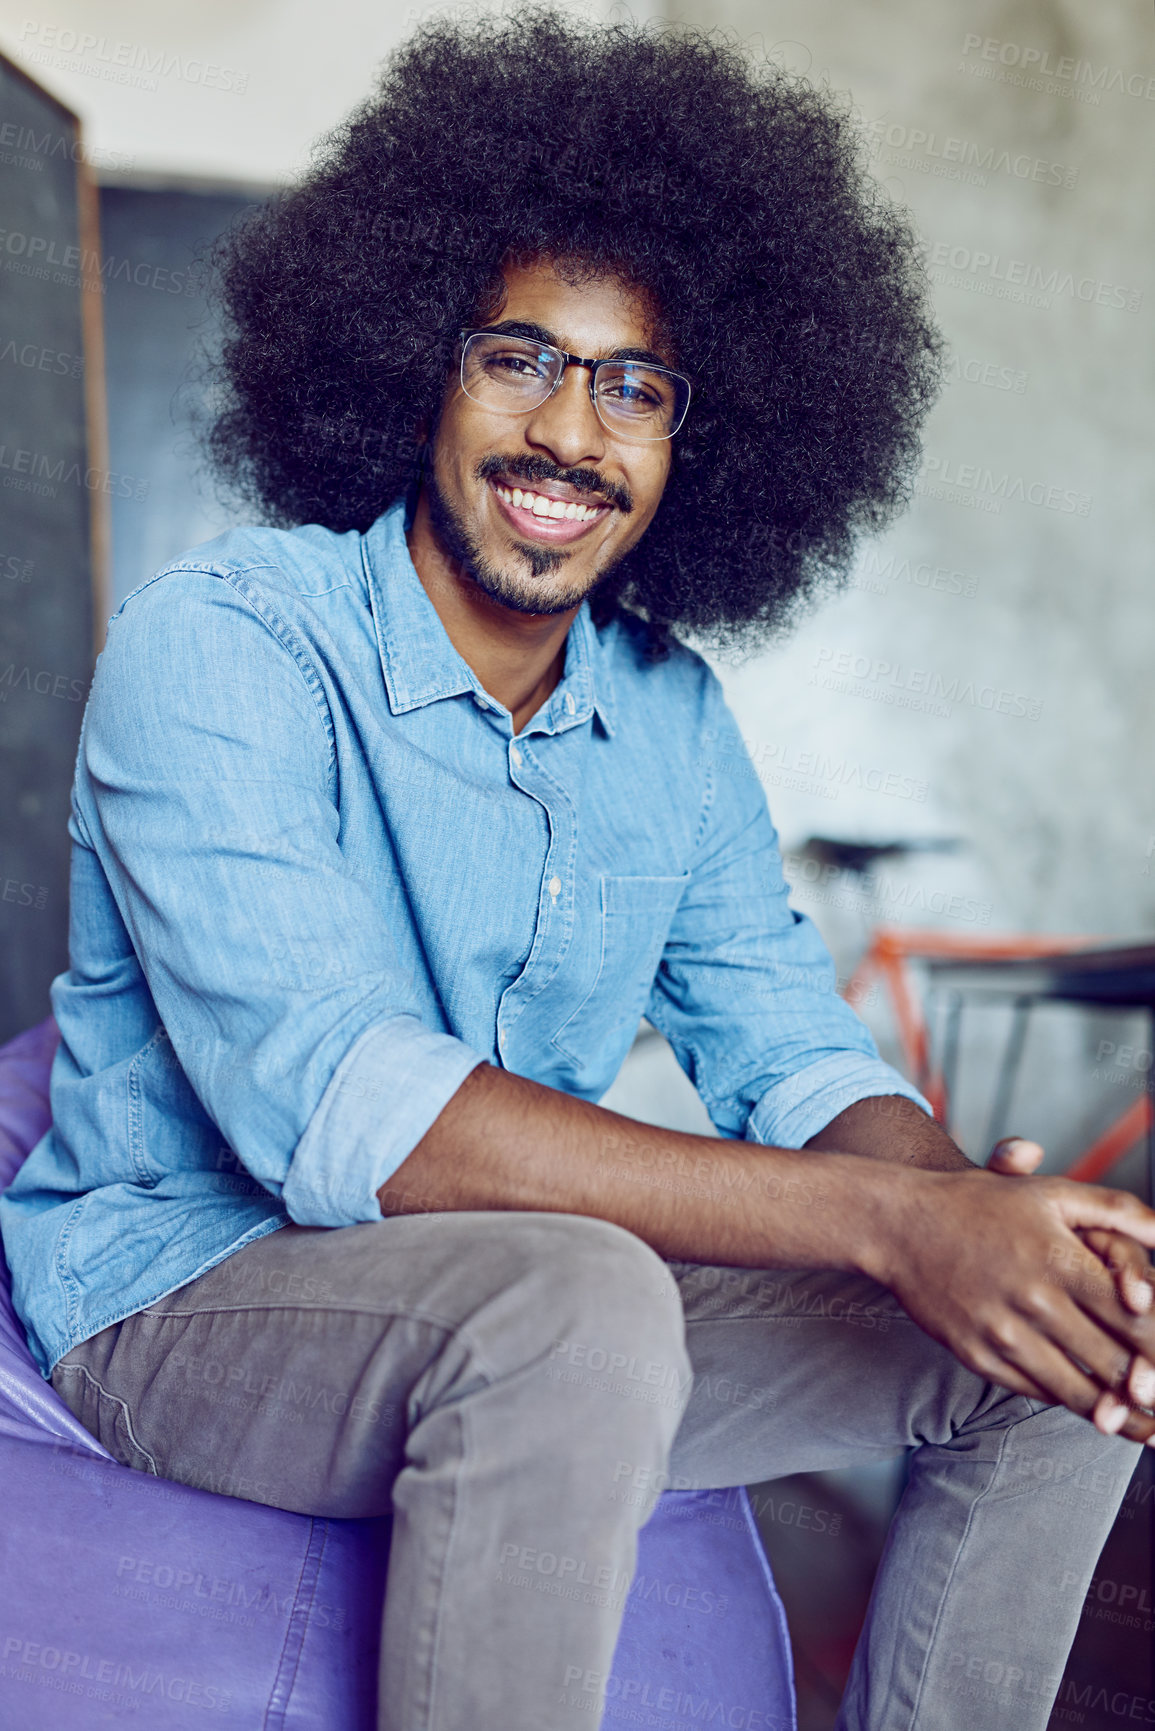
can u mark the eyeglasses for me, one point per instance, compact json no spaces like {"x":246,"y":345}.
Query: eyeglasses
{"x":515,"y":374}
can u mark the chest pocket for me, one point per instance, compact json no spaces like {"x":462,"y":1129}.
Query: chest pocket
{"x":636,"y":915}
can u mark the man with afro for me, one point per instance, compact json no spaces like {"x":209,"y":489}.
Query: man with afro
{"x":395,"y":812}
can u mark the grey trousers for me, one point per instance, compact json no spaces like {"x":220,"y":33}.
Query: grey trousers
{"x":517,"y":1385}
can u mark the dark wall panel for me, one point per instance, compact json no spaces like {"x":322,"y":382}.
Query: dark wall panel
{"x":156,"y":325}
{"x":47,"y":486}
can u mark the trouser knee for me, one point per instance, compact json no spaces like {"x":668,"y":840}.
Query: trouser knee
{"x":1069,"y":1453}
{"x":614,"y":1307}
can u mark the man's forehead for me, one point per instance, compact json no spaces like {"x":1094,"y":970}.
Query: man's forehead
{"x":585,"y":311}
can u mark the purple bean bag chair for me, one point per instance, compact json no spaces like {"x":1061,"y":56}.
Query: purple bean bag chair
{"x":127,"y":1599}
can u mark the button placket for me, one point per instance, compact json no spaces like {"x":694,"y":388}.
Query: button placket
{"x":554,"y":928}
{"x":554,"y":885}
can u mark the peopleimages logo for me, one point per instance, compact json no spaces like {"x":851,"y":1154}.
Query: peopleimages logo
{"x":878,"y":892}
{"x":48,"y":684}
{"x":806,"y":771}
{"x":40,"y":359}
{"x":132,"y":63}
{"x":921,"y":688}
{"x":943,"y":477}
{"x":878,"y":574}
{"x":25,"y":147}
{"x":92,"y":1675}
{"x":950,"y":157}
{"x":972,"y":370}
{"x":38,"y":255}
{"x":1016,"y":279}
{"x":1036,"y":66}
{"x":39,"y":473}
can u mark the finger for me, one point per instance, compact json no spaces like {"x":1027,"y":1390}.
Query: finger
{"x":1082,"y":1206}
{"x":1128,"y":1262}
{"x":1109,"y":1414}
{"x":1066,"y":1384}
{"x":1015,"y":1156}
{"x":1114,"y":1418}
{"x":1058,"y":1317}
{"x":1136,"y":1290}
{"x":1116,"y":1248}
{"x":1129,"y":1379}
{"x":1091,"y":1286}
{"x":1039,"y":1361}
{"x":998,"y":1369}
{"x":1140,"y":1387}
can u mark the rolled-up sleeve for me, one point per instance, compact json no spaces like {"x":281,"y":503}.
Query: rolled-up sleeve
{"x":746,"y":989}
{"x":207,"y":785}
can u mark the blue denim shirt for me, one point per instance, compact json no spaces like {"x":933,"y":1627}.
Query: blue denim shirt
{"x":316,"y":880}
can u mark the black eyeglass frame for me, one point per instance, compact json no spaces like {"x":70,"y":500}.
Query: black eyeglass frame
{"x":593,"y":364}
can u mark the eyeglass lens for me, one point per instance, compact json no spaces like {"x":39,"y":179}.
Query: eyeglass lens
{"x":513,"y":375}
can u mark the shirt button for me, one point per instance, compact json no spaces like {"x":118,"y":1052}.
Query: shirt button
{"x":555,"y":887}
{"x":501,"y":1036}
{"x":480,"y":701}
{"x":516,"y":756}
{"x":569,"y":703}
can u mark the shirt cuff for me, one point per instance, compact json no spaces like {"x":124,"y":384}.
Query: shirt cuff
{"x":381,"y":1099}
{"x":802,"y":1104}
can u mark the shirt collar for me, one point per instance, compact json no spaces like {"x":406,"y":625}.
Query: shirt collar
{"x":420,"y":663}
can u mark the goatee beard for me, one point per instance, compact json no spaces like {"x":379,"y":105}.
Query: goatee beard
{"x":523,"y":596}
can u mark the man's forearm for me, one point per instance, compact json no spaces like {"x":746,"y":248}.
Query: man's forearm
{"x":505,"y":1142}
{"x":892,"y":1128}
{"x":992,"y":1266}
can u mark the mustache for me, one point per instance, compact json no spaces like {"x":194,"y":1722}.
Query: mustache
{"x":526,"y":467}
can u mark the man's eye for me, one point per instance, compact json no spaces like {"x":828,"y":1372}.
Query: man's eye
{"x":633,"y":395}
{"x":517,"y":366}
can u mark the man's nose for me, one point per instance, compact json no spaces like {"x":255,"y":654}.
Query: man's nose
{"x":567,"y":424}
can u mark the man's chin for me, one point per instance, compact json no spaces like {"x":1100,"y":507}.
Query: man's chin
{"x":542,"y":561}
{"x":540,"y":590}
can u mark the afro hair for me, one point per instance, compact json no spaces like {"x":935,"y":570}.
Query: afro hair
{"x":788,"y":287}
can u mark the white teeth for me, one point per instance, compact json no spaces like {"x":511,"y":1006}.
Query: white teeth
{"x":543,"y":507}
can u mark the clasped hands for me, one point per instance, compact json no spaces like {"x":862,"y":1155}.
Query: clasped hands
{"x":1065,"y":1312}
{"x":1128,"y":1262}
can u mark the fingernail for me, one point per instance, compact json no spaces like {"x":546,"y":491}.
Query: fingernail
{"x":1111,"y":1414}
{"x":1142,"y":1384}
{"x":1140,"y":1291}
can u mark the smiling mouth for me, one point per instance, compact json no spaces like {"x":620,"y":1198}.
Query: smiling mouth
{"x":545,"y":516}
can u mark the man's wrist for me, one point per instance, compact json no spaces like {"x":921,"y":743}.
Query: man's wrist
{"x":893,"y":1201}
